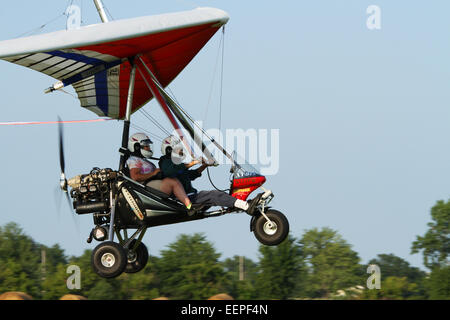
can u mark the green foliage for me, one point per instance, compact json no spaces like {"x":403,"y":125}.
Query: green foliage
{"x":142,"y":285}
{"x":240,"y":289}
{"x":438,"y":284}
{"x":393,"y":266}
{"x":330,"y":261}
{"x":320,"y":264}
{"x":54,"y":284}
{"x":20,"y":261}
{"x":190,"y":269}
{"x":394,"y":288}
{"x":280,"y":270}
{"x":435,"y":244}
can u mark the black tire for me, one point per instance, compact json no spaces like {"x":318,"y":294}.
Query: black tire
{"x":109,"y":259}
{"x":271,"y":236}
{"x":138,"y":260}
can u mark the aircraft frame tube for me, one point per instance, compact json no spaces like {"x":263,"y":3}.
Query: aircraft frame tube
{"x":126,"y":124}
{"x":101,"y":10}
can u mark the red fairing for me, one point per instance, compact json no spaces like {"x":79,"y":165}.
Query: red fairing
{"x":242,"y":187}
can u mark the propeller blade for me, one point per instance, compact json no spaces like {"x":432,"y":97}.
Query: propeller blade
{"x":61,"y":145}
{"x":62,"y":162}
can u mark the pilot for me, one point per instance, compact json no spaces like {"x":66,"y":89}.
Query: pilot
{"x":172,"y":166}
{"x":145,"y":172}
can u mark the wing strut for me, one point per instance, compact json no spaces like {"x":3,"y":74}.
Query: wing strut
{"x":126,"y":123}
{"x":101,"y":10}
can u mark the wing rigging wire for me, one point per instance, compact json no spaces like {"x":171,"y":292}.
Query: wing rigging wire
{"x":37,"y":29}
{"x":41,"y":27}
{"x":156,"y":137}
{"x":213,"y":78}
{"x":154,"y":121}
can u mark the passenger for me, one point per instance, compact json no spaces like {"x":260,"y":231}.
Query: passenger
{"x":145,"y":172}
{"x":172,"y":151}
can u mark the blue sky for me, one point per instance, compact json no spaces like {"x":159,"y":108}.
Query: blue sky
{"x":363,"y":118}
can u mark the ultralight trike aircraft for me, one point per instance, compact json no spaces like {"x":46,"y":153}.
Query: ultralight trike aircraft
{"x":116,"y":68}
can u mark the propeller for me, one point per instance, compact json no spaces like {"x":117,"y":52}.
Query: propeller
{"x":62,"y":179}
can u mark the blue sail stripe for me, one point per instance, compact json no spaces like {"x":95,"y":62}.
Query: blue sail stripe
{"x":76,"y":57}
{"x":101,"y":91}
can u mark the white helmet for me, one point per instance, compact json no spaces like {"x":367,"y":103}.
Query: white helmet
{"x":136,"y":145}
{"x":172,"y":146}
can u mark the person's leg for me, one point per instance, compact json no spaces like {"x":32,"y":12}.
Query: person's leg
{"x":222,"y":199}
{"x":215,"y":198}
{"x":170,"y":185}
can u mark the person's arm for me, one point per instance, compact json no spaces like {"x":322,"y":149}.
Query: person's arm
{"x":194,"y":174}
{"x":192,"y":163}
{"x":136,"y":174}
{"x":202,"y":167}
{"x":205,"y":165}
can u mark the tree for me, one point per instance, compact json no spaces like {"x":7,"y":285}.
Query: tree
{"x":435,"y":244}
{"x":438,"y":284}
{"x":435,"y":247}
{"x":240,"y":289}
{"x":331,"y":263}
{"x":54,"y":286}
{"x":142,"y":285}
{"x":391,"y":265}
{"x":280,"y":270}
{"x":394,"y":288}
{"x":190,"y":269}
{"x":20,"y":261}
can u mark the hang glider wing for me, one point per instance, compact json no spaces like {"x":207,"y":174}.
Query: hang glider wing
{"x":94,"y":59}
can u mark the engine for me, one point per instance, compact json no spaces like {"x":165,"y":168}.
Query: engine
{"x":91,"y":192}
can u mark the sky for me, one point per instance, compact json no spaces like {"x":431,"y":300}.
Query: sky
{"x":362,"y":117}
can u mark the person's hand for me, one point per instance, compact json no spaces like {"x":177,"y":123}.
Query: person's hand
{"x":211,"y":163}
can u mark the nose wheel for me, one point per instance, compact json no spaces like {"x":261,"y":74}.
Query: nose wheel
{"x":272,"y":228}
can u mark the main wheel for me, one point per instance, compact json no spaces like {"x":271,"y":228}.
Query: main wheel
{"x":271,"y":233}
{"x":109,"y":259}
{"x":136,"y":260}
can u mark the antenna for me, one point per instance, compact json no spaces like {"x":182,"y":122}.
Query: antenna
{"x":101,"y":10}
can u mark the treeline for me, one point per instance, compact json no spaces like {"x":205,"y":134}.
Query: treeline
{"x":319,"y":264}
